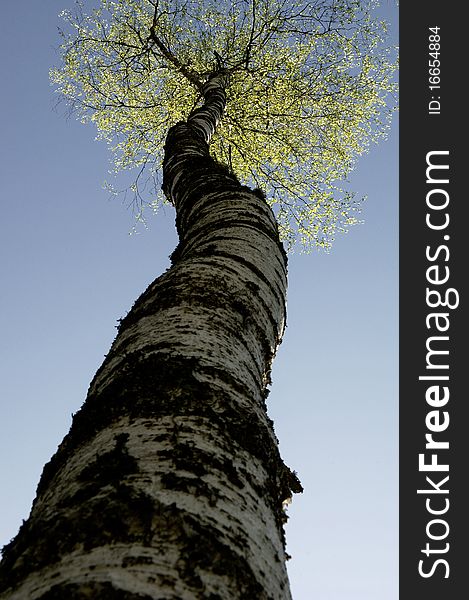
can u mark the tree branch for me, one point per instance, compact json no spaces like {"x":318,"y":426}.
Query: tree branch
{"x":189,"y":74}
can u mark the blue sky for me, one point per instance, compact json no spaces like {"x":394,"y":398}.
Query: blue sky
{"x":70,"y":270}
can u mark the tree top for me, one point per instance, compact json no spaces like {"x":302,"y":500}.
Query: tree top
{"x":311,"y":86}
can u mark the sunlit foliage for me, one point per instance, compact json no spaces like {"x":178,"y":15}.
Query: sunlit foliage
{"x":310,"y":87}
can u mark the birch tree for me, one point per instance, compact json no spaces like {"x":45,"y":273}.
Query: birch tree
{"x":248,"y":114}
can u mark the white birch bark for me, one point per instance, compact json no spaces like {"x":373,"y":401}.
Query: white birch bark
{"x":169,"y":483}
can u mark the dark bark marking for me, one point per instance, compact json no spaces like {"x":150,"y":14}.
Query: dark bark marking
{"x":113,"y":466}
{"x":203,"y":551}
{"x":197,"y":463}
{"x":91,"y":591}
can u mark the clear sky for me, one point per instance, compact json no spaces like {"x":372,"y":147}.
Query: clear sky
{"x":69,"y":270}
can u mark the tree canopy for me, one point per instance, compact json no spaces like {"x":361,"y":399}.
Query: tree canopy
{"x":311,"y":85}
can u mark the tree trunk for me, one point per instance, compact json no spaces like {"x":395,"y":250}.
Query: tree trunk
{"x":169,"y":483}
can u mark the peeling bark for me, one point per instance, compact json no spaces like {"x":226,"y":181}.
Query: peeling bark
{"x":169,"y":483}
